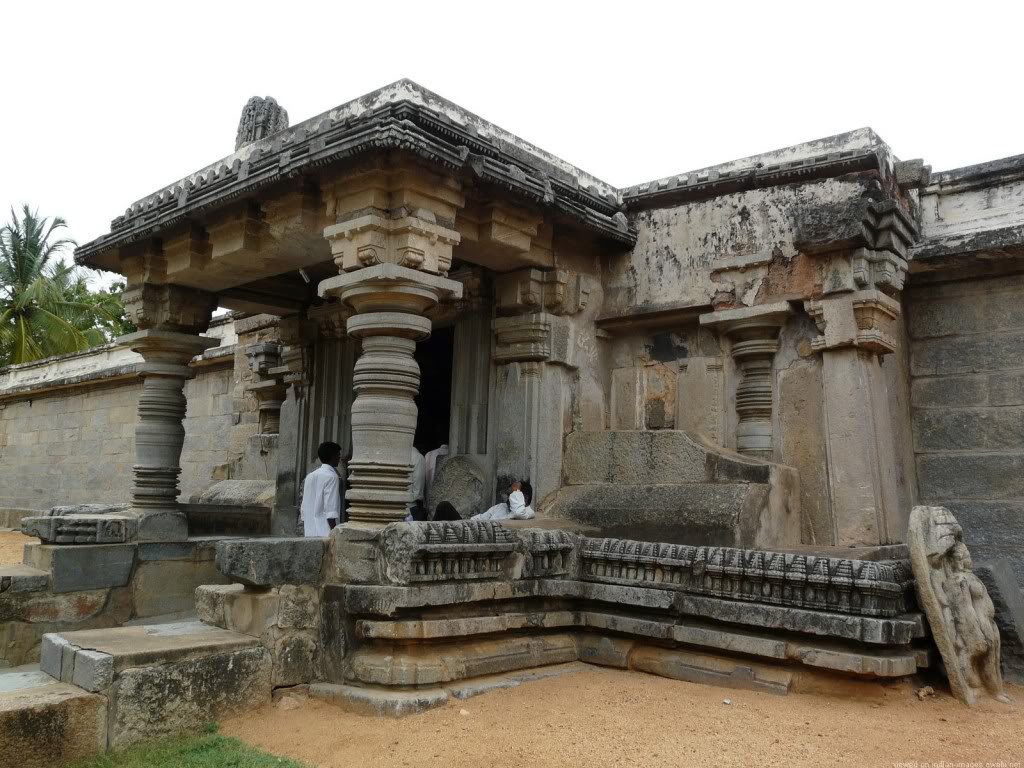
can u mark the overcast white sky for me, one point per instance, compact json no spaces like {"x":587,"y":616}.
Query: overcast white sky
{"x":106,"y":102}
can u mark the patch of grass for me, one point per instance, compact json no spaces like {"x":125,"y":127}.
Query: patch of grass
{"x":210,"y":750}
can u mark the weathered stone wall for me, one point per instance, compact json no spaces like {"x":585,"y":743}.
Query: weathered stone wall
{"x":70,"y":447}
{"x":967,"y":368}
{"x":67,"y":426}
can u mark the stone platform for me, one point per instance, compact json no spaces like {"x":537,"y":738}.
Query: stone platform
{"x":67,"y":587}
{"x":412,"y":610}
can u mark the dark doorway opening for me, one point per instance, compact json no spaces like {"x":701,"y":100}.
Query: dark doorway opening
{"x":434,"y":401}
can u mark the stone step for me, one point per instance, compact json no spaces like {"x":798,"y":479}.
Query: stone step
{"x":376,"y":700}
{"x":214,"y":673}
{"x":44,"y":722}
{"x":23,"y":578}
{"x":91,"y":658}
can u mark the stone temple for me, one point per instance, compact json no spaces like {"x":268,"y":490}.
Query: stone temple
{"x":729,"y":389}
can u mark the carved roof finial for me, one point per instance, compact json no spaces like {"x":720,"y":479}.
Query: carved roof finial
{"x":260,"y":118}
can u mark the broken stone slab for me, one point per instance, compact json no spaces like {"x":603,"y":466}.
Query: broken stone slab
{"x":271,"y":562}
{"x":707,"y":669}
{"x":89,"y":566}
{"x":82,"y":528}
{"x":1008,"y":599}
{"x":22,"y":578}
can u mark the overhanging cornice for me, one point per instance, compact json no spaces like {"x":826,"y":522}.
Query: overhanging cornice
{"x":399,"y":125}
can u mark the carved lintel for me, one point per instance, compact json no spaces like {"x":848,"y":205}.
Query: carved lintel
{"x":188,"y":251}
{"x":236,"y":236}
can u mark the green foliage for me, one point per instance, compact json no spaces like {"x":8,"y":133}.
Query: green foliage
{"x":207,"y":751}
{"x":46,"y":307}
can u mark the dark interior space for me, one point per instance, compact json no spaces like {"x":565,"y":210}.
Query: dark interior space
{"x":435,"y":397}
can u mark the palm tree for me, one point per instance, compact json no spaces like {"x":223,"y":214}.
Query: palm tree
{"x":46,"y":307}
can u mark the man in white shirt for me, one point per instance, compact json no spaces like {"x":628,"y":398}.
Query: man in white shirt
{"x":322,"y":494}
{"x":417,"y":482}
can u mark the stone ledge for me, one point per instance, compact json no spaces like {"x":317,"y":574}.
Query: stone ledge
{"x":44,"y":722}
{"x":137,"y":646}
{"x":272,"y":561}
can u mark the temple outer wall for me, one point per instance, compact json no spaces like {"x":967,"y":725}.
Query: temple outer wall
{"x":67,"y":427}
{"x":967,"y":369}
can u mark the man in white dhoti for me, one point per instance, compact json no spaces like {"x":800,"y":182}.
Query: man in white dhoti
{"x":518,"y":506}
{"x":322,"y":493}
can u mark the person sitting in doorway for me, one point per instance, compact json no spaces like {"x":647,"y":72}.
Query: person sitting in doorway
{"x":321,"y":493}
{"x":446,"y":511}
{"x":518,"y":507}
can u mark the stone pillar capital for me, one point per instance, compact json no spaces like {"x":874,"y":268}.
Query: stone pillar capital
{"x":390,"y":288}
{"x":413,"y":241}
{"x":167,"y":352}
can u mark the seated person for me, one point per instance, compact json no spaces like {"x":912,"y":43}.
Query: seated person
{"x":518,"y":506}
{"x":446,"y":511}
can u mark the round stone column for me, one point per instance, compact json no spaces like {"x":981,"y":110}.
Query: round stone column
{"x":159,"y":432}
{"x":389,"y":301}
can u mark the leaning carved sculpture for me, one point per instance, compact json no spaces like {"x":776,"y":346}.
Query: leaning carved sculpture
{"x":958,"y":607}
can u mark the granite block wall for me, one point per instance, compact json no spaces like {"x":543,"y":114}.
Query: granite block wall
{"x":78,"y":445}
{"x":967,"y":385}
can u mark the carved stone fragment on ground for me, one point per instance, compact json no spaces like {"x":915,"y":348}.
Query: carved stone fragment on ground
{"x":958,"y":607}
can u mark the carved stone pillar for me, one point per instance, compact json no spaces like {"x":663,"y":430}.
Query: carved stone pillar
{"x":856,"y":330}
{"x":393,"y":244}
{"x":389,"y":301}
{"x":754,"y":332}
{"x":159,"y":434}
{"x":170,"y":319}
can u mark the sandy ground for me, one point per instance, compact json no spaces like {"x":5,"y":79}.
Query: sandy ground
{"x":613,"y":718}
{"x":11,"y":544}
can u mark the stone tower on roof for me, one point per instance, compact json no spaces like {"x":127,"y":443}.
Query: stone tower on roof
{"x":260,"y":118}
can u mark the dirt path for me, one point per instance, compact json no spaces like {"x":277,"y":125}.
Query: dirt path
{"x":612,"y":718}
{"x":11,"y":544}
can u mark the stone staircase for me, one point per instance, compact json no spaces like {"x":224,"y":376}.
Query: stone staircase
{"x":103,"y":689}
{"x":671,"y":486}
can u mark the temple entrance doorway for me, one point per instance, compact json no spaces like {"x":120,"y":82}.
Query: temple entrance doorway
{"x":434,"y":401}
